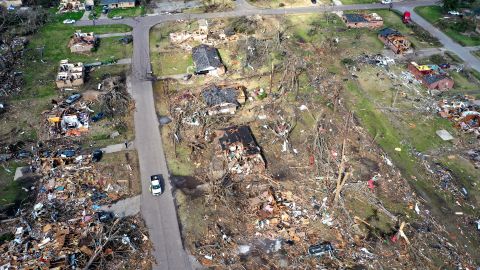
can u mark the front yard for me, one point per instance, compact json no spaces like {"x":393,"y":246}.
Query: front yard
{"x":461,"y":30}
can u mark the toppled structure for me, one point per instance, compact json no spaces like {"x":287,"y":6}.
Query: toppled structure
{"x":70,"y":74}
{"x":397,"y":42}
{"x":463,"y":111}
{"x":239,"y":149}
{"x":82,"y":42}
{"x":223,"y":100}
{"x":207,"y":60}
{"x":432,"y":76}
{"x":118,"y":3}
{"x":372,"y":20}
{"x":71,"y":121}
{"x":67,"y":229}
{"x":70,"y":5}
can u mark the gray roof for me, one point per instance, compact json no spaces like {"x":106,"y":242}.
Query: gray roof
{"x":242,"y":135}
{"x":213,"y":95}
{"x":205,"y":58}
{"x":354,"y":18}
{"x":432,"y":78}
{"x":385,"y":32}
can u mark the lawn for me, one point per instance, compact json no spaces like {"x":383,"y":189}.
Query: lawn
{"x":435,"y":15}
{"x":127,"y":12}
{"x":287,"y":3}
{"x":171,"y":63}
{"x":11,"y":191}
{"x":39,"y":76}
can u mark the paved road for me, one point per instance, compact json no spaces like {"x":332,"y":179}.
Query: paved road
{"x":450,"y":45}
{"x":160,"y":212}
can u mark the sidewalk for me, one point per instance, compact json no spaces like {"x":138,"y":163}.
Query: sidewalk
{"x":118,"y":147}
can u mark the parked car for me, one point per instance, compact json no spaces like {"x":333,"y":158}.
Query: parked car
{"x":454,"y":13}
{"x":66,"y":153}
{"x":156,"y":184}
{"x":68,"y":21}
{"x":104,"y":216}
{"x":72,"y":99}
{"x":97,"y":155}
{"x":117,"y":17}
{"x":320,"y":249}
{"x":386,"y":2}
{"x":97,"y":117}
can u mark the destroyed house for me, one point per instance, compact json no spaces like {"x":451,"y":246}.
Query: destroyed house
{"x":118,"y":3}
{"x":82,"y":42}
{"x":393,"y":39}
{"x":207,"y":60}
{"x":432,"y":76}
{"x":240,"y":150}
{"x":222,"y":100}
{"x":372,"y":20}
{"x":69,"y":74}
{"x":70,"y":5}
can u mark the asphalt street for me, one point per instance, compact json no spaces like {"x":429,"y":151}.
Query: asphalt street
{"x":160,"y":212}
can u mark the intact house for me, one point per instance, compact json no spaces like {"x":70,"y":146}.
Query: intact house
{"x":372,"y":20}
{"x":207,"y":60}
{"x":432,"y":76}
{"x":223,"y":100}
{"x":238,"y":148}
{"x":82,"y":42}
{"x":111,"y":4}
{"x":70,"y":74}
{"x":397,"y":42}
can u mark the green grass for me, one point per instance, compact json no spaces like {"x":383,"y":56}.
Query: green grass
{"x":39,"y":77}
{"x":127,"y":12}
{"x":11,"y":191}
{"x":430,"y":13}
{"x":434,"y":14}
{"x":467,"y":176}
{"x":95,"y":13}
{"x":171,"y":63}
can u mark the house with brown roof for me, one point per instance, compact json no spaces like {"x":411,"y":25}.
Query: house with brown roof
{"x":372,"y":20}
{"x":432,"y":76}
{"x":393,"y":39}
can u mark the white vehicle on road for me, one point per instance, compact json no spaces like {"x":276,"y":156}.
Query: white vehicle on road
{"x":156,"y":184}
{"x":117,"y":18}
{"x":68,"y":21}
{"x":386,"y":2}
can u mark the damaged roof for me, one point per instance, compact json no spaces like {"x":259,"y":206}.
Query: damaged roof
{"x":385,"y":32}
{"x":433,"y":78}
{"x":355,"y":18}
{"x":239,"y":135}
{"x":214,"y":95}
{"x":206,"y":58}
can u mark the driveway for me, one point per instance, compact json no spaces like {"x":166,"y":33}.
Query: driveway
{"x":450,"y":45}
